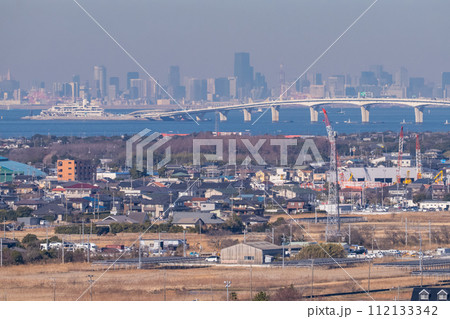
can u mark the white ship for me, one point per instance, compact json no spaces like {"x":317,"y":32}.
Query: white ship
{"x":74,"y":110}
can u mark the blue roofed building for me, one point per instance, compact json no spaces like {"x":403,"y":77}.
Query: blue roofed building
{"x":9,"y":169}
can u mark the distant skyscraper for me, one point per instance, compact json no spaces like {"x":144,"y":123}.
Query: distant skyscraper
{"x":113,"y":88}
{"x":131,"y":75}
{"x":336,"y":86}
{"x":174,"y":76}
{"x":243,"y":73}
{"x":174,"y":88}
{"x":401,"y":77}
{"x":100,"y":81}
{"x":138,"y":87}
{"x":233,"y":87}
{"x":76,"y":79}
{"x":196,"y":90}
{"x":417,"y":88}
{"x":318,"y":79}
{"x":260,"y":86}
{"x":222,"y":87}
{"x":446,"y":84}
{"x":114,"y":80}
{"x":75,"y":90}
{"x":210,"y":89}
{"x":368,"y":78}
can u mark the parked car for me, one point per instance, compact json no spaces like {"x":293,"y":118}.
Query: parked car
{"x":212,"y":259}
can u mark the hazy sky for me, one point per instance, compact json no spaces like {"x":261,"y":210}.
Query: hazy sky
{"x":51,"y":40}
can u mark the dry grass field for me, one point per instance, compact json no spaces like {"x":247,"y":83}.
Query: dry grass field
{"x":70,"y":281}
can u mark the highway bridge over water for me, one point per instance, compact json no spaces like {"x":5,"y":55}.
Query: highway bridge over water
{"x":365,"y":104}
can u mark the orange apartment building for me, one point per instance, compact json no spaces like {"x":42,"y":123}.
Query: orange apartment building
{"x":74,"y":170}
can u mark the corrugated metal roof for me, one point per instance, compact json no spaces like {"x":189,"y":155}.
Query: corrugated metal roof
{"x":264,"y":245}
{"x":20,"y":168}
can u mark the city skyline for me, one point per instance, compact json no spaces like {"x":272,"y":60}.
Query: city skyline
{"x":241,"y":83}
{"x":200,"y":39}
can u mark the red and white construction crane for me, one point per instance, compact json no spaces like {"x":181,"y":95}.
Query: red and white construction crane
{"x":333,"y":217}
{"x":400,"y":156}
{"x":418,"y":158}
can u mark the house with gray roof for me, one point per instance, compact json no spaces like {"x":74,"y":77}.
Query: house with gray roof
{"x":192,"y":219}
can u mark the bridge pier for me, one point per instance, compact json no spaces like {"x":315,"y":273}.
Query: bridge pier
{"x":223,"y":116}
{"x":418,"y":112}
{"x":275,"y":113}
{"x":365,"y":113}
{"x":314,"y":114}
{"x":247,"y":115}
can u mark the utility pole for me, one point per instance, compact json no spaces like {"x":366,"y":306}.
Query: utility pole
{"x":251,"y":283}
{"x":54,"y":289}
{"x":159,"y":245}
{"x":312,"y":278}
{"x":89,"y":244}
{"x":282,"y":245}
{"x":273,"y":235}
{"x":82,"y":227}
{"x":406,"y":232}
{"x":164,"y":284}
{"x":421,"y":258}
{"x":368,"y":284}
{"x":184,"y":243}
{"x":290,"y":238}
{"x":62,"y":247}
{"x":1,"y":252}
{"x":139,"y":252}
{"x":373,"y":236}
{"x":91,"y":282}
{"x":227,"y":285}
{"x":429,"y":233}
{"x":89,"y":248}
{"x":349,"y":235}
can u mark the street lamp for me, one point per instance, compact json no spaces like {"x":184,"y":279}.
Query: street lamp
{"x":227,"y":285}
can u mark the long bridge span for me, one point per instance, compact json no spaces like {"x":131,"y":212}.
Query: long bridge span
{"x":365,"y":104}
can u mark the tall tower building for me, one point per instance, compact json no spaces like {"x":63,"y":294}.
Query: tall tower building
{"x":130,"y":76}
{"x":243,"y":73}
{"x":100,"y":81}
{"x":446,"y":84}
{"x":138,"y":88}
{"x":76,"y":79}
{"x":113,"y":88}
{"x":174,"y":76}
{"x":401,"y":77}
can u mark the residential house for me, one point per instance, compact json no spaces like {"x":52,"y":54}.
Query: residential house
{"x":248,"y":207}
{"x":119,"y":219}
{"x":430,"y":294}
{"x":56,"y":211}
{"x":80,"y":190}
{"x":297,"y":205}
{"x":30,"y":203}
{"x":188,"y":219}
